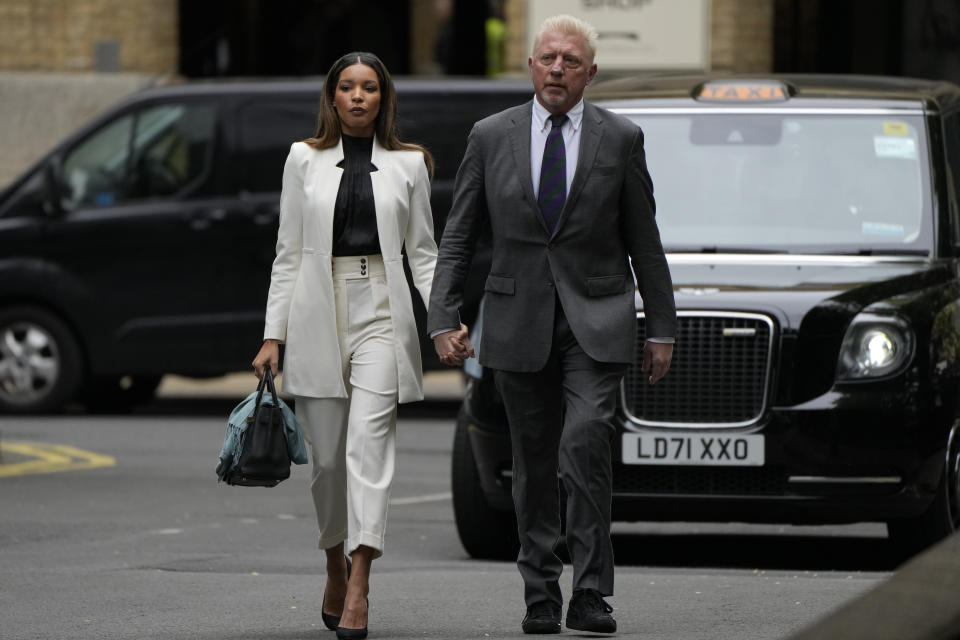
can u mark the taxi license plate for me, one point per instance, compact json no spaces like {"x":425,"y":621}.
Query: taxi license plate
{"x":695,"y":449}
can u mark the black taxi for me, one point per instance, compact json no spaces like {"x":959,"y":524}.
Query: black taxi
{"x":812,"y":227}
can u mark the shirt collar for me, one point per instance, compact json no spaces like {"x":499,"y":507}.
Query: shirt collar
{"x":541,"y":117}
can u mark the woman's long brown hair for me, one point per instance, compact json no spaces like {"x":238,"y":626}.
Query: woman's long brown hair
{"x":328,"y":122}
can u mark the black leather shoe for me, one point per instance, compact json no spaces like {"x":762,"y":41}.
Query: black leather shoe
{"x":331,"y":621}
{"x":542,"y":617}
{"x":346,"y":633}
{"x":588,"y":611}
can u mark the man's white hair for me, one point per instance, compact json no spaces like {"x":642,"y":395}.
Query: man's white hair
{"x":571,"y":26}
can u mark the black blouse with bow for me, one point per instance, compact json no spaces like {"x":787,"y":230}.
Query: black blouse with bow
{"x":355,"y":214}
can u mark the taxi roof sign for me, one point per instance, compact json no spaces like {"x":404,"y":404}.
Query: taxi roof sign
{"x":742,"y":91}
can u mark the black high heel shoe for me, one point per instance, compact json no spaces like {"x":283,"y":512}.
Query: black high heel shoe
{"x":345,"y":633}
{"x":331,"y":621}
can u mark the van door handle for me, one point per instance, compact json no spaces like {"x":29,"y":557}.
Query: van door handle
{"x":204,"y":218}
{"x":266,"y":217}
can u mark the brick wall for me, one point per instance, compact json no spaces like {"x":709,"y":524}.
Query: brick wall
{"x":741,"y":35}
{"x":75,"y":35}
{"x":518,"y":48}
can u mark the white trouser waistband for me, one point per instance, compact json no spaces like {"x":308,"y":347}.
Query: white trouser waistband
{"x":353,"y":267}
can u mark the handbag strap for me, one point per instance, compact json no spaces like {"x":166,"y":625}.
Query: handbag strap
{"x":267,"y":382}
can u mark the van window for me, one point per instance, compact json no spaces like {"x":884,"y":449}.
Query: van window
{"x":156,"y":152}
{"x":95,"y":172}
{"x":267,"y":129}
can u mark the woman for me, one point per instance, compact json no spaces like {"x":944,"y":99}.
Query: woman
{"x":353,"y":196}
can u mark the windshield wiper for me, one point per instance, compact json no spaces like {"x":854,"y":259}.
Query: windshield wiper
{"x":889,"y":252}
{"x":798,"y":250}
{"x":716,"y":249}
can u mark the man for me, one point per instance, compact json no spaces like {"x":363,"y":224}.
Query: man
{"x":566,"y":192}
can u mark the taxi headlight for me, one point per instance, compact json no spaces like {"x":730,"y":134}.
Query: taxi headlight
{"x":874,"y":346}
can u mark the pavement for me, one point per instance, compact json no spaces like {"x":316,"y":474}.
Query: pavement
{"x":151,"y":547}
{"x":918,"y":602}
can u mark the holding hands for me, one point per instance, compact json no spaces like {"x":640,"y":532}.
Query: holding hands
{"x":453,"y":347}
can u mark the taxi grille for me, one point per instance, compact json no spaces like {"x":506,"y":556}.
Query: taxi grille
{"x":628,"y":480}
{"x":718,"y":377}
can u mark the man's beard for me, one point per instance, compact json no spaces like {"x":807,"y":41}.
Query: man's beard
{"x":553,"y":99}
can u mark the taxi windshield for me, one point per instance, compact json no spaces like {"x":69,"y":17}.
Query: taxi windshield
{"x":834,"y":182}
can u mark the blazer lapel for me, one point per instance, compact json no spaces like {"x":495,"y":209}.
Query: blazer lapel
{"x":590,"y":136}
{"x":383,"y":186}
{"x":323,"y":184}
{"x":519,"y":135}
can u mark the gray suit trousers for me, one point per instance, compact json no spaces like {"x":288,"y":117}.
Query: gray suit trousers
{"x":561,"y":418}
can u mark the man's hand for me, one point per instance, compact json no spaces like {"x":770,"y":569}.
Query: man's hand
{"x":453,"y":347}
{"x":656,"y":359}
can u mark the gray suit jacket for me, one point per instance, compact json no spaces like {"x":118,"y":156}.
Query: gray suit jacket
{"x":608,"y":216}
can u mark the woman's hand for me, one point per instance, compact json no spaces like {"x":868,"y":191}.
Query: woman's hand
{"x":453,"y":347}
{"x":269,"y":354}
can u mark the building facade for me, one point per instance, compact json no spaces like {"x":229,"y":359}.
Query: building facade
{"x":171,"y":37}
{"x":139,"y":36}
{"x":194,"y":39}
{"x":61,"y":61}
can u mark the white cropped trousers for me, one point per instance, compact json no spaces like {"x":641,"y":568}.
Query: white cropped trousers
{"x":352,"y":439}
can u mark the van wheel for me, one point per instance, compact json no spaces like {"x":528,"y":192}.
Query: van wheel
{"x":912,"y":535}
{"x":40,"y":363}
{"x":485,"y":532}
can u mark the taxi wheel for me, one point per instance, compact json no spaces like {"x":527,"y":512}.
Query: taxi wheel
{"x":912,"y":535}
{"x":40,"y":362}
{"x":485,"y":532}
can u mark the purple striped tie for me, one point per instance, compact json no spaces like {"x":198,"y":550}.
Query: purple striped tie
{"x":553,"y":174}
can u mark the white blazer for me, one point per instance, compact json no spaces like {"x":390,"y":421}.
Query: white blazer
{"x":300,"y":306}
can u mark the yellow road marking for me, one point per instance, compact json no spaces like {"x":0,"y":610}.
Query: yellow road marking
{"x":49,"y":458}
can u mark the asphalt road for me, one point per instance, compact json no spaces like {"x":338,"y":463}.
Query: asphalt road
{"x":128,"y":535}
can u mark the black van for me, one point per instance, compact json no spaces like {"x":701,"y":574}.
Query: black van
{"x":142,"y":245}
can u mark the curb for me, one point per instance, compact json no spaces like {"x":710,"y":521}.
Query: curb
{"x":921,"y":601}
